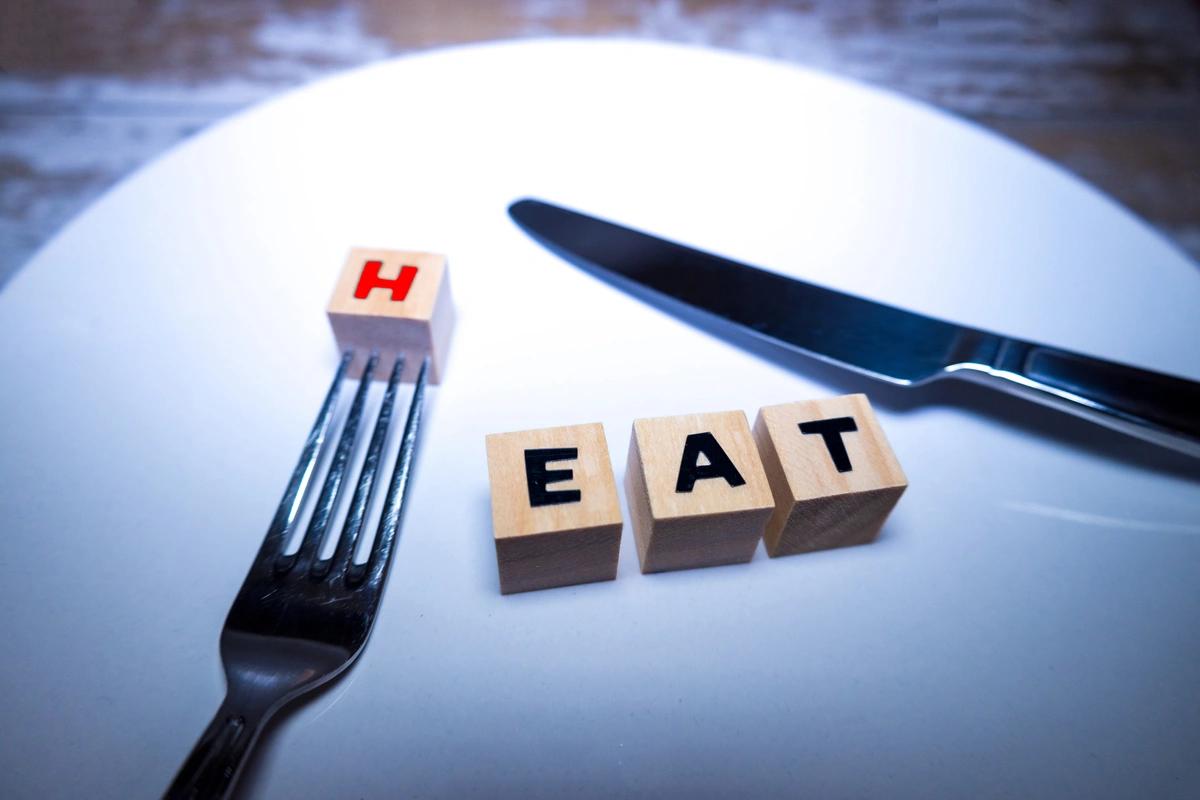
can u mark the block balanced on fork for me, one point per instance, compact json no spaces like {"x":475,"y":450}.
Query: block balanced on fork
{"x":395,"y":302}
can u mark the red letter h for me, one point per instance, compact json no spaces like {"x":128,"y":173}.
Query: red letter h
{"x":369,"y":279}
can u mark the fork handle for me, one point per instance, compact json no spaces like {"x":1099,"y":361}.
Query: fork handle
{"x":213,"y":767}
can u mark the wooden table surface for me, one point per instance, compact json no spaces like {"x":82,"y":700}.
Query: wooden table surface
{"x":89,"y":91}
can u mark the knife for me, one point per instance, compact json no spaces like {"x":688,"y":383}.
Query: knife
{"x":882,"y":341}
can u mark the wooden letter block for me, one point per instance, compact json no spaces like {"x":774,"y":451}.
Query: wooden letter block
{"x":555,"y":513}
{"x":698,"y":495}
{"x":396,"y":302}
{"x":834,"y":477}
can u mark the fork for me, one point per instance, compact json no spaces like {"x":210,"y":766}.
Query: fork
{"x":300,"y":619}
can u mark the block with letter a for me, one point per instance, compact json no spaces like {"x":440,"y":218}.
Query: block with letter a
{"x":393,"y":301}
{"x":556,"y":518}
{"x":833,"y":474}
{"x":697,"y":492}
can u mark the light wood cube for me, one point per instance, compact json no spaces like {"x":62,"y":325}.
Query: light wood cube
{"x":698,"y":495}
{"x":834,"y":477}
{"x":394,"y":301}
{"x":555,"y":513}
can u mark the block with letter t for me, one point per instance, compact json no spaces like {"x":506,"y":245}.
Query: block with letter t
{"x":697,"y":493}
{"x":556,"y":518}
{"x":393,"y":301}
{"x":833,"y":474}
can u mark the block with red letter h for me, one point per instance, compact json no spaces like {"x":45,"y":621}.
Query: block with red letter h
{"x":393,"y":301}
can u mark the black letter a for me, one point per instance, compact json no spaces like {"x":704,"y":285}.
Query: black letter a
{"x":718,"y":466}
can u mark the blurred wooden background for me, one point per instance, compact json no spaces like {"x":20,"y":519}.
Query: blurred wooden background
{"x":91,"y":89}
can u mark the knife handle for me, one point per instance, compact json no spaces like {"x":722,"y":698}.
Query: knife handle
{"x":1149,"y":405}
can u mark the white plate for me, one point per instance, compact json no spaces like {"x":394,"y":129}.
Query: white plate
{"x":1026,"y":626}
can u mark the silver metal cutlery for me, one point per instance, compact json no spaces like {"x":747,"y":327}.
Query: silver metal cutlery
{"x":887,"y":343}
{"x":301,"y":619}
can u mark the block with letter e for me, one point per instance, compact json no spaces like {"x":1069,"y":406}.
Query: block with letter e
{"x":833,"y":474}
{"x":697,"y":492}
{"x":393,"y":301}
{"x":556,"y":518}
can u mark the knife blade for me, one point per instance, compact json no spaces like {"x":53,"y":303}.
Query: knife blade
{"x":878,"y":340}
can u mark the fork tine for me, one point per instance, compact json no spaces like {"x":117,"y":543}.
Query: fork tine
{"x":385,"y":536}
{"x":293,"y":495}
{"x":352,"y":528}
{"x":314,"y":537}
